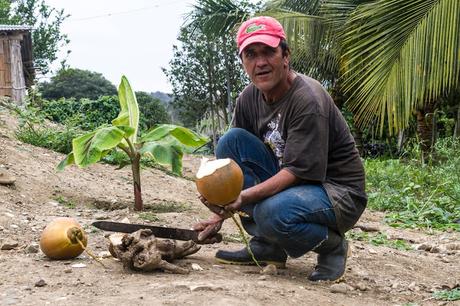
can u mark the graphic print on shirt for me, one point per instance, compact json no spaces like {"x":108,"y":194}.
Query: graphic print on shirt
{"x":273,"y":138}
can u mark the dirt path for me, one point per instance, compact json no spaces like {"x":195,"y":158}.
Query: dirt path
{"x":376,"y":275}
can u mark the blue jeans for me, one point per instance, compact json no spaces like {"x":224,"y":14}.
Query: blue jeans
{"x":296,"y":219}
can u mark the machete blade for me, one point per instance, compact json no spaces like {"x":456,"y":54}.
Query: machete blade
{"x":158,"y":231}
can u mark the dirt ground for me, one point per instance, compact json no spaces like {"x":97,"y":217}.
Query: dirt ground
{"x":376,"y":275}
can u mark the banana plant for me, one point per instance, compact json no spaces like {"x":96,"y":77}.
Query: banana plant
{"x":165,"y":143}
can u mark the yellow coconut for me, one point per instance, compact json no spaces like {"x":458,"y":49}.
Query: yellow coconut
{"x":63,"y":238}
{"x":219,"y":181}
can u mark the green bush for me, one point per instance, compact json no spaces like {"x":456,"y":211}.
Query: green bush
{"x":89,"y":114}
{"x":86,"y":114}
{"x":416,"y":195}
{"x":34,"y":130}
{"x":152,"y":112}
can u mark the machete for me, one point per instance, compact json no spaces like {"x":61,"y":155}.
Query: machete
{"x":158,"y":231}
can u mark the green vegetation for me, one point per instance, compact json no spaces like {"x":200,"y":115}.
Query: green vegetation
{"x":235,"y":237}
{"x":164,"y":143}
{"x":77,"y":84}
{"x":416,"y":195}
{"x":148,"y":216}
{"x":84,"y":113}
{"x":151,"y":211}
{"x":169,"y":207}
{"x":447,"y":295}
{"x":65,"y":202}
{"x":379,"y":239}
{"x":34,"y":130}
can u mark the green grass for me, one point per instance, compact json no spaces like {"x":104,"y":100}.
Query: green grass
{"x":447,"y":295}
{"x":379,"y":239}
{"x":236,"y":237}
{"x":415,"y":195}
{"x":148,"y":216}
{"x":65,"y":202}
{"x":167,"y":207}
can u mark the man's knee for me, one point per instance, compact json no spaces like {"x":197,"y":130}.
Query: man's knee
{"x":230,"y":140}
{"x":231,"y":135}
{"x":272,"y":222}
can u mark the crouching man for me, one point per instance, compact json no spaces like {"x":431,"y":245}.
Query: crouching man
{"x":303,"y":177}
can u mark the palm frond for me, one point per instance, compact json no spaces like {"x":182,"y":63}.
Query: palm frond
{"x":399,"y":55}
{"x":218,"y":17}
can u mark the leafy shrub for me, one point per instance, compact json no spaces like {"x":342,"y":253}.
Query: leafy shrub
{"x":34,"y":130}
{"x":152,"y":112}
{"x":447,"y":295}
{"x":418,"y":195}
{"x":87,"y":114}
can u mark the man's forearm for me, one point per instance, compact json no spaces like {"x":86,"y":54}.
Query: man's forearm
{"x":277,"y":183}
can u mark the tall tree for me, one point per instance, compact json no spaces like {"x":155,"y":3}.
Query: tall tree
{"x":77,"y":83}
{"x":199,"y":77}
{"x":46,"y":21}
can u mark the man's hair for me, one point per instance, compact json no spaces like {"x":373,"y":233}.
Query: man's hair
{"x":285,"y":47}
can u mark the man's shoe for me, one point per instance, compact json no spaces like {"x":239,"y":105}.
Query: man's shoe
{"x":264,"y":253}
{"x":332,"y":258}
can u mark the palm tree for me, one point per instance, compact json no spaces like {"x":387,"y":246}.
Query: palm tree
{"x":396,"y":57}
{"x":313,"y":29}
{"x":401,"y":57}
{"x":387,"y":58}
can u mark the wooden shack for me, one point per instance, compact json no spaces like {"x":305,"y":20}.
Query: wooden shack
{"x":16,"y":61}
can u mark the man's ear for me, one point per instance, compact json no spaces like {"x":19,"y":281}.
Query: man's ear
{"x":287,"y":57}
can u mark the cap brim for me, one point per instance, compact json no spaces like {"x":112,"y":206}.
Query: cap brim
{"x":269,"y":40}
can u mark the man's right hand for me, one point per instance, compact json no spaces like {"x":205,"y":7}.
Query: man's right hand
{"x":209,"y":228}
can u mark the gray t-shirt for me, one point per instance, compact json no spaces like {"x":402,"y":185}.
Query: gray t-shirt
{"x":311,"y":139}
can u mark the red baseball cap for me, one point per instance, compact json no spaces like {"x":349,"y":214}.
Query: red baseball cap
{"x":262,"y":29}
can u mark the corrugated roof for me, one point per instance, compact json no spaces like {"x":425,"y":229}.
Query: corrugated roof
{"x":14,"y":27}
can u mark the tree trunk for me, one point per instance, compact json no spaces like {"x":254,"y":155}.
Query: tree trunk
{"x":425,"y":119}
{"x":136,"y":169}
{"x":457,"y":124}
{"x":229,"y":84}
{"x":401,"y":140}
{"x":211,"y":99}
{"x":358,"y":136}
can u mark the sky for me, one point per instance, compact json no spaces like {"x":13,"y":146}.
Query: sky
{"x":117,"y":37}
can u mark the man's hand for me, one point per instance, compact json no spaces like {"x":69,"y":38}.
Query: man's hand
{"x":209,"y":228}
{"x":235,"y":205}
{"x":218,"y":210}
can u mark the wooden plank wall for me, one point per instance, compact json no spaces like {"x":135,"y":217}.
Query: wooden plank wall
{"x":12,"y":82}
{"x":18,"y":84}
{"x":5,"y":67}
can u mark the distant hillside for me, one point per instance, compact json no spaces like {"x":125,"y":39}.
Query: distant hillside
{"x":166,"y":101}
{"x":163,"y":97}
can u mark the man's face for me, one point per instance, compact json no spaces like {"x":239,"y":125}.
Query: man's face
{"x":266,"y":67}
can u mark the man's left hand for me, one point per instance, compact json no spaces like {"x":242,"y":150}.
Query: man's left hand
{"x":235,"y":205}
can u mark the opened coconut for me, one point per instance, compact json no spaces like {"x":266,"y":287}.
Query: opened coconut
{"x":219,"y":181}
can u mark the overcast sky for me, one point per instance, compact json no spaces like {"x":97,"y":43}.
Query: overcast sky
{"x":116,"y":37}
